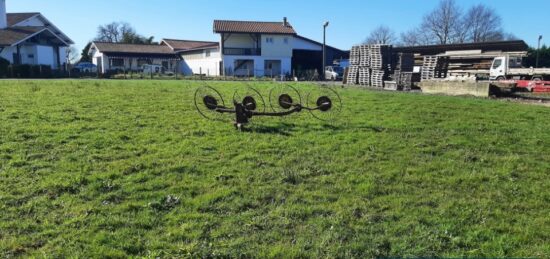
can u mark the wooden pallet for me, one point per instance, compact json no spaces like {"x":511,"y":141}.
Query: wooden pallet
{"x":364,"y":76}
{"x":353,"y":73}
{"x":355,"y":55}
{"x":377,"y":78}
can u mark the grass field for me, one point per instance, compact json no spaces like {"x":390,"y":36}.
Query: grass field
{"x":129,"y":168}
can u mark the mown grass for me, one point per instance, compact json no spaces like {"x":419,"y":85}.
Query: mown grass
{"x":128,"y":168}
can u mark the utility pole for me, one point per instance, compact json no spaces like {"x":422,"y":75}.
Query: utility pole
{"x":538,"y":52}
{"x":324,"y":50}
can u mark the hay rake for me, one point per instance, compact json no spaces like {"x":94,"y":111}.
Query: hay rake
{"x":284,"y":100}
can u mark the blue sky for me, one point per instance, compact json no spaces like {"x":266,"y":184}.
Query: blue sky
{"x":351,"y":20}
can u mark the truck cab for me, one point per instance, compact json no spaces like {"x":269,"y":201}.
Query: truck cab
{"x":498,"y":69}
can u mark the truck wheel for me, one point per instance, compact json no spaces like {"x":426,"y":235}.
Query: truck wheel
{"x":501,"y":78}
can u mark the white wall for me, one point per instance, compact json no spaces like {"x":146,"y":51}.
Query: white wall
{"x":45,"y":56}
{"x":306,"y":45}
{"x":192,"y":64}
{"x":240,"y":41}
{"x":42,"y":55}
{"x":7,"y":53}
{"x":259,"y":64}
{"x":281,"y":46}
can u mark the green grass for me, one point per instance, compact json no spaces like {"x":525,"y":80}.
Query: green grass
{"x":129,"y":168}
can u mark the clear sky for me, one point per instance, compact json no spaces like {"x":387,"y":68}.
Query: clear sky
{"x":350,"y":20}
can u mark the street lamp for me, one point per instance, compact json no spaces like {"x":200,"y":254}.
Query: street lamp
{"x":538,"y":52}
{"x":324,"y":49}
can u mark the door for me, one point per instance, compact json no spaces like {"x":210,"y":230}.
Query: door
{"x":498,"y":68}
{"x":99,"y":64}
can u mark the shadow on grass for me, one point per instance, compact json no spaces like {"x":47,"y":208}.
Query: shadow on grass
{"x":286,"y":129}
{"x":283,"y":129}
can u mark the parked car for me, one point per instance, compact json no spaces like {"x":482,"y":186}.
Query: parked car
{"x":86,"y":67}
{"x":334,"y":73}
{"x":155,"y":69}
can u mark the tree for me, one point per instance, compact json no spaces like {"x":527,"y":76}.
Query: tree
{"x":121,"y":32}
{"x":415,"y":37}
{"x":72,"y":55}
{"x":483,"y":24}
{"x":444,"y":22}
{"x":85,"y":56}
{"x":381,"y":35}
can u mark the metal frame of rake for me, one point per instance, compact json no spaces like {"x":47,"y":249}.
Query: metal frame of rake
{"x":249,"y":106}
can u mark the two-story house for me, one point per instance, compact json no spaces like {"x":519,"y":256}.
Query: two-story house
{"x":30,"y":38}
{"x":250,"y":48}
{"x":255,"y":48}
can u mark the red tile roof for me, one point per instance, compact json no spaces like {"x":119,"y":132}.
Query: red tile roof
{"x":15,"y":18}
{"x":179,"y":45}
{"x":252,"y":27}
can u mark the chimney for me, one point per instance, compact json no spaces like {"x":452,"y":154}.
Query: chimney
{"x":3,"y":16}
{"x":285,"y":21}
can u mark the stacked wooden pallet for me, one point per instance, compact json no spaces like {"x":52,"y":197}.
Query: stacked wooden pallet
{"x":428,"y":67}
{"x":364,"y":76}
{"x":403,"y":79}
{"x":403,"y":68}
{"x":404,"y":62}
{"x":373,"y":64}
{"x":377,"y":78}
{"x":353,"y":73}
{"x":355,"y":55}
{"x":380,"y":56}
{"x":365,"y":56}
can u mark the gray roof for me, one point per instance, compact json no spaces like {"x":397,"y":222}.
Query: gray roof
{"x":15,"y":18}
{"x":13,"y":35}
{"x":110,"y":47}
{"x":181,"y":45}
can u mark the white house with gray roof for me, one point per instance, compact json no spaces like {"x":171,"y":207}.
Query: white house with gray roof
{"x":30,"y":38}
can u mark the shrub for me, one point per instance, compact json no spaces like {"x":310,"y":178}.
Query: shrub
{"x":4,"y":64}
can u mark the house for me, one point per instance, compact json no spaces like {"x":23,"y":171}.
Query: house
{"x":197,"y":57}
{"x":246,"y":48}
{"x":251,"y":48}
{"x":109,"y":56}
{"x":30,"y":38}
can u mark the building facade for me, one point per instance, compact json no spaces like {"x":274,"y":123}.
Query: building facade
{"x":30,"y":38}
{"x":108,"y":56}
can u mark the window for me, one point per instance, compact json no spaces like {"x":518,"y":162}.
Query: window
{"x":31,"y":56}
{"x":286,"y":40}
{"x":117,"y":62}
{"x":207,"y":52}
{"x":269,"y":40}
{"x":497,"y":63}
{"x":165,"y":64}
{"x":143,"y":61}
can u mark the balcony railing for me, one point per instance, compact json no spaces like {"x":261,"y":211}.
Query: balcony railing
{"x":242,"y":52}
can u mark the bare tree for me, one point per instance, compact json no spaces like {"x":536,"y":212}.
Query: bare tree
{"x":72,"y":55}
{"x":381,"y":35}
{"x":109,"y":32}
{"x":483,"y":24}
{"x":443,"y":21}
{"x":415,"y":37}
